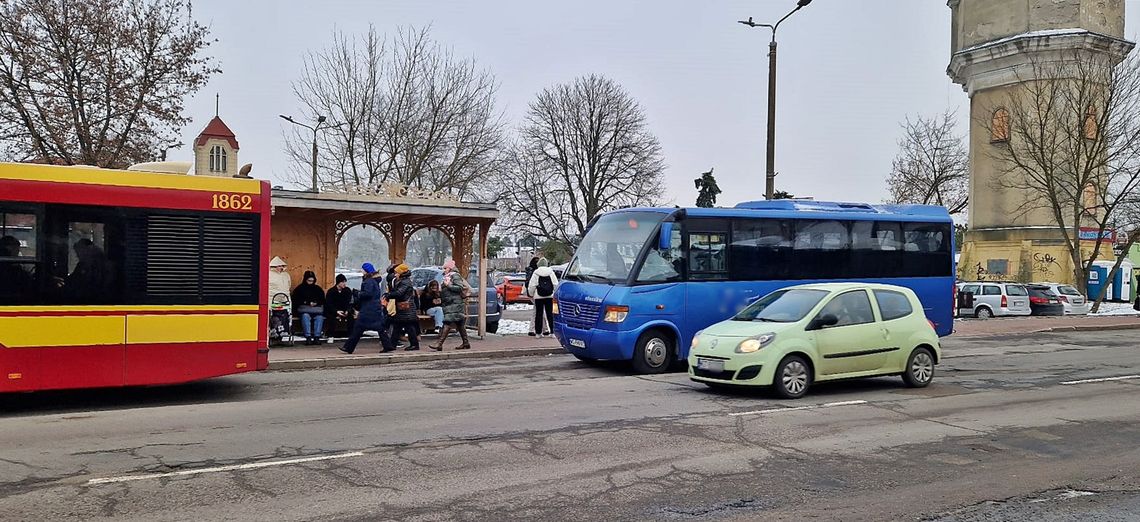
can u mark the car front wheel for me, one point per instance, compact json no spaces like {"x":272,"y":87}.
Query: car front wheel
{"x":792,"y":378}
{"x":919,"y":368}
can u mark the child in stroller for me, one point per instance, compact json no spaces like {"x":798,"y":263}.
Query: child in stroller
{"x":281,"y":318}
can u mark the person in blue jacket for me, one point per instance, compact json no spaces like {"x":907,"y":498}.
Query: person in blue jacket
{"x":372,"y":316}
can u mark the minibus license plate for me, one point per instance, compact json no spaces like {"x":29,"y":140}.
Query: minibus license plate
{"x":577,"y":343}
{"x":710,"y":365}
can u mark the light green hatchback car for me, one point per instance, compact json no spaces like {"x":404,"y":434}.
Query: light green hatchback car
{"x":805,"y":334}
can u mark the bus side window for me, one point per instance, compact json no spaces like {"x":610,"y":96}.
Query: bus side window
{"x":18,"y":257}
{"x":708,"y":256}
{"x":761,"y":250}
{"x":822,"y":249}
{"x":662,"y":266}
{"x":927,"y":247}
{"x":876,"y":248}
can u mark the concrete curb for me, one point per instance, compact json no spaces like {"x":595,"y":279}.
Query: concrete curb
{"x":377,"y":359}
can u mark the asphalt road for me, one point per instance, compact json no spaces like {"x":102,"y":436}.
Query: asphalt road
{"x":999,"y":436}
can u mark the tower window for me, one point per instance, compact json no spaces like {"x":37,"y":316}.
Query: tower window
{"x":217,"y":159}
{"x":1092,"y":129}
{"x":999,"y":126}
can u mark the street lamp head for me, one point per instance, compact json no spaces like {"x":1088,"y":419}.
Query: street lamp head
{"x":802,"y":3}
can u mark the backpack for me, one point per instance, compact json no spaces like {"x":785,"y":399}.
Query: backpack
{"x":545,"y":287}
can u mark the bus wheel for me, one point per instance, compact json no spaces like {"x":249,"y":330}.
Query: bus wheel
{"x":654,"y":353}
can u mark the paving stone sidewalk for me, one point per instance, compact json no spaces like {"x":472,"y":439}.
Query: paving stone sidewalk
{"x":1021,"y":325}
{"x":326,"y":355}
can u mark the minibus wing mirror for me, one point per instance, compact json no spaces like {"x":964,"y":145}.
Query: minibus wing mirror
{"x":665,"y":240}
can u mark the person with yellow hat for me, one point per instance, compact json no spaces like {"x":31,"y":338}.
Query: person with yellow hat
{"x":406,"y":320}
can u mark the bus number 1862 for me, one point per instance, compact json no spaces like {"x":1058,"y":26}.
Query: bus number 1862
{"x":232,"y":202}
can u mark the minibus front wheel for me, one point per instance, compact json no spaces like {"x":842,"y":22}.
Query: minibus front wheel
{"x":655,"y":352}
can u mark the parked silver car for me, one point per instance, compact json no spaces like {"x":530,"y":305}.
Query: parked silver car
{"x":1075,"y":302}
{"x":995,"y":300}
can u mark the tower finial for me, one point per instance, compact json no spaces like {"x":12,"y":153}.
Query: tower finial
{"x":217,"y":103}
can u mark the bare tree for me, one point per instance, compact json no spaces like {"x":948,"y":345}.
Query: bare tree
{"x":403,"y":110}
{"x":584,"y":148}
{"x":933,"y":164}
{"x":97,"y":82}
{"x":1070,"y":142}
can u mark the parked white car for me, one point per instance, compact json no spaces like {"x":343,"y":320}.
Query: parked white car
{"x":1075,"y":302}
{"x":995,"y":299}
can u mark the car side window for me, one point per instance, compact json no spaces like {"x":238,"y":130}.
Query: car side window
{"x":850,"y":308}
{"x":970,"y":289}
{"x":991,"y":290}
{"x":892,"y":305}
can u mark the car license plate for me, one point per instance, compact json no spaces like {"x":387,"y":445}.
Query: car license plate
{"x":577,"y":343}
{"x":710,"y":365}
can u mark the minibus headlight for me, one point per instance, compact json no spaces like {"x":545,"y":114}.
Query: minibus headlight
{"x":696,"y":339}
{"x":616,"y":314}
{"x":554,"y":307}
{"x":753,"y":344}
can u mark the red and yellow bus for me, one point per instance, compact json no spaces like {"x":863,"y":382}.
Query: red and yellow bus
{"x":123,"y":278}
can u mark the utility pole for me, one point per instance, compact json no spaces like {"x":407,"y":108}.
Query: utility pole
{"x":770,"y":169}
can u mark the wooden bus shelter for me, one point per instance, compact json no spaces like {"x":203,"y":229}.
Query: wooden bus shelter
{"x":306,"y":228}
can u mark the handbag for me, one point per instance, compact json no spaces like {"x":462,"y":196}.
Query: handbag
{"x":403,"y":306}
{"x":391,"y":307}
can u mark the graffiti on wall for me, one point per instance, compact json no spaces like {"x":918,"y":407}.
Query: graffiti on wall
{"x":1044,"y":264}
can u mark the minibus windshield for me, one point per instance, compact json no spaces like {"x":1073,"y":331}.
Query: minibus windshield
{"x":609,"y":251}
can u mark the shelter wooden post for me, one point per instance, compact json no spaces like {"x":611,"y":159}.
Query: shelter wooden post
{"x":483,"y":229}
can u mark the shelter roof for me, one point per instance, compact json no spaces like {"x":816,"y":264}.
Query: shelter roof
{"x":360,"y":206}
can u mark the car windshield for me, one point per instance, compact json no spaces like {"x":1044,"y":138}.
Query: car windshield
{"x":1016,"y":290}
{"x":782,"y":306}
{"x":1068,"y":290}
{"x":422,"y":276}
{"x":610,"y":249}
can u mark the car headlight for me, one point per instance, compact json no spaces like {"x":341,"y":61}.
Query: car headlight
{"x":753,"y":344}
{"x":696,"y":339}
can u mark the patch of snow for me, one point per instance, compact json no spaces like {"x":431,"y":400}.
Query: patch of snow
{"x":1110,"y":309}
{"x":512,"y":327}
{"x":526,"y":307}
{"x":1030,"y":34}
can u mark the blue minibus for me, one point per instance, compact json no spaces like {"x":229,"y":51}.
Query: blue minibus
{"x":643,"y":281}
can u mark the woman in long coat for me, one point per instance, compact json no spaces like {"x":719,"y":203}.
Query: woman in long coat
{"x":454,"y":290}
{"x":371,"y":317}
{"x":406,"y":320}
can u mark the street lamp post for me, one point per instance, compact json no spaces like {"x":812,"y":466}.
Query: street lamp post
{"x":770,"y":174}
{"x":320,"y":121}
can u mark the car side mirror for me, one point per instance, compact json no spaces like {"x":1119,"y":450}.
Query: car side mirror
{"x":665,"y":239}
{"x":822,"y":321}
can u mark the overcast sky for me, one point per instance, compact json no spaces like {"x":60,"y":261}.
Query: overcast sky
{"x":849,"y":72}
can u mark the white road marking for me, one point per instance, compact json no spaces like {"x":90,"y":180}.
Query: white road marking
{"x":1105,"y":379}
{"x":798,"y":408}
{"x":234,"y":467}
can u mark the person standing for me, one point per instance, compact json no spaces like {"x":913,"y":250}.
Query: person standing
{"x":338,"y":306}
{"x":431,"y":303}
{"x":407,"y":319}
{"x":279,"y":280}
{"x":454,"y":292}
{"x":541,"y":287}
{"x":371,"y":315}
{"x":530,"y":268}
{"x":309,"y":302}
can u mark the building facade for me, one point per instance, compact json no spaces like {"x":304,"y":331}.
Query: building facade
{"x":994,"y":44}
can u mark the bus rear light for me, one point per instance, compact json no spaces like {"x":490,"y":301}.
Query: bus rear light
{"x":15,"y":376}
{"x":240,"y":365}
{"x":616,"y":314}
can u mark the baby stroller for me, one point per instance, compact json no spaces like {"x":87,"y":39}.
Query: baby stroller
{"x":281,"y":319}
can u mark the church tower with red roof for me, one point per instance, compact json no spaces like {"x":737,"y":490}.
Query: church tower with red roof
{"x":216,"y":150}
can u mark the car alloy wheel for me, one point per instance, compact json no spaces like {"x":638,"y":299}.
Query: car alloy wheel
{"x":794,"y":377}
{"x":919,"y":368}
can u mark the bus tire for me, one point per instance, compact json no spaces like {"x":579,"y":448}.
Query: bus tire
{"x":655,"y":352}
